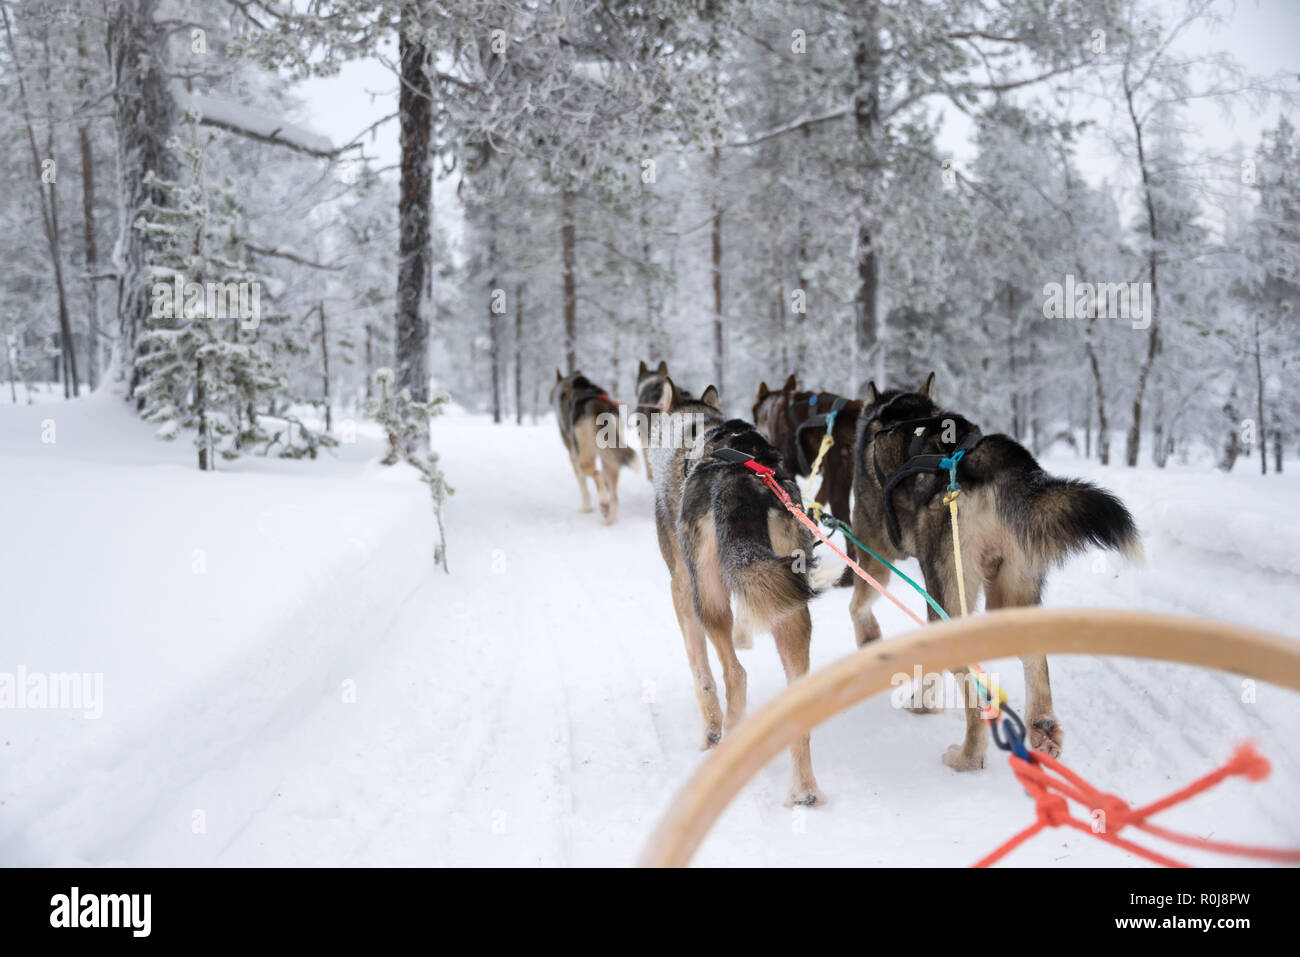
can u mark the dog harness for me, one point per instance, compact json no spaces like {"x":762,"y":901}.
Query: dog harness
{"x":918,"y":463}
{"x":815,"y":420}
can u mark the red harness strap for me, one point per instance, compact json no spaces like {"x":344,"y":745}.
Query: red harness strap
{"x":768,"y":475}
{"x":1052,"y":786}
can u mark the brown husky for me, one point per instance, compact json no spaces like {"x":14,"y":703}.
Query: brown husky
{"x":585,"y":413}
{"x":795,"y":422}
{"x":725,"y":536}
{"x":1015,"y":522}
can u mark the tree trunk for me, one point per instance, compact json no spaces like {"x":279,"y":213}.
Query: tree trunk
{"x":719,"y":331}
{"x":1261,"y":435}
{"x":778,"y":318}
{"x":567,"y":242}
{"x":1011,"y":364}
{"x":49,"y":206}
{"x":91,"y":253}
{"x":1087,"y":429}
{"x":1103,"y":427}
{"x":1134,"y":443}
{"x":866,"y":114}
{"x":325,"y":365}
{"x":90,"y":249}
{"x":10,"y":349}
{"x":614,"y":372}
{"x":519,"y":353}
{"x":414,"y":211}
{"x":494,"y":322}
{"x":1232,"y":447}
{"x":370,"y":361}
{"x":71,"y":382}
{"x":143,"y":115}
{"x":201,"y":407}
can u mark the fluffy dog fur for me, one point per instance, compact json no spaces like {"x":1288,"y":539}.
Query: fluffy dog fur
{"x":1016,"y":522}
{"x":725,"y":538}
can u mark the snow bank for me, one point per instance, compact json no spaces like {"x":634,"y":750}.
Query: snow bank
{"x":212,"y":604}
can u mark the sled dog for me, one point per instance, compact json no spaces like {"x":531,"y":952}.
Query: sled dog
{"x":1015,"y":523}
{"x":725,"y":537}
{"x":649,"y":393}
{"x":795,"y":422}
{"x":582,"y":409}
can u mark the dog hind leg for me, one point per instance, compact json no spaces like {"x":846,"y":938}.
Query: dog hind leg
{"x":582,"y":482}
{"x":1017,"y":587}
{"x":941,"y":582}
{"x":609,"y":468}
{"x":793,"y":636}
{"x":706,"y":690}
{"x":742,"y":629}
{"x":865,"y":626}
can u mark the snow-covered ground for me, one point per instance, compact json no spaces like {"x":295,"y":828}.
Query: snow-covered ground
{"x":286,"y":678}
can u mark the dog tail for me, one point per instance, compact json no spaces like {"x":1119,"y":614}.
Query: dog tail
{"x":1056,"y":517}
{"x":626,"y":457}
{"x":769,"y":579}
{"x":769,"y":589}
{"x":616,"y":454}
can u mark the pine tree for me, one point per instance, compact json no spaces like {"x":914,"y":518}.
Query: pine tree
{"x":208,"y":361}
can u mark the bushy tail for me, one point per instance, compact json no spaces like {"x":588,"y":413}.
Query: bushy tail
{"x":769,"y":579}
{"x":620,"y":457}
{"x":1055,"y":518}
{"x":626,"y":457}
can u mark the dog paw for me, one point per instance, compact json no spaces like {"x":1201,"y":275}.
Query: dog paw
{"x":586,"y":508}
{"x":712,"y":735}
{"x":1046,"y":734}
{"x":957,"y":759}
{"x":607,"y":514}
{"x":805,"y":797}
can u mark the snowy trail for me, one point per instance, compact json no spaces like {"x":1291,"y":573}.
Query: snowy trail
{"x":535,"y":708}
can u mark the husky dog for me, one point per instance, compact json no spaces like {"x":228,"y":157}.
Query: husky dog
{"x":795,"y":422}
{"x":579,"y":407}
{"x":725,"y":536}
{"x":649,"y":393}
{"x":1016,"y":522}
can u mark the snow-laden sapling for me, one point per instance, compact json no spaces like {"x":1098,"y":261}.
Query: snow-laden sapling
{"x":211,"y":358}
{"x":406,"y":425}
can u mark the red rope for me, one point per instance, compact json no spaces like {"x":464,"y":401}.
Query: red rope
{"x":1052,"y":786}
{"x":768,"y":475}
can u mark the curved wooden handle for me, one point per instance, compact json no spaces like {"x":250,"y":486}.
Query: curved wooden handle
{"x":1000,"y":634}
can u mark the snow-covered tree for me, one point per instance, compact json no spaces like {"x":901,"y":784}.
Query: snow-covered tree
{"x":208,"y":359}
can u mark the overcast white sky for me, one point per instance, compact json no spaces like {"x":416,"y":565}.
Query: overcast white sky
{"x":1263,"y":35}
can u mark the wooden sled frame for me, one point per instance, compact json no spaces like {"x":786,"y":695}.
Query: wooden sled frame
{"x":1000,"y":634}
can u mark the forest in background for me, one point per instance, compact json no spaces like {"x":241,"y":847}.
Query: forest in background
{"x":744,"y":189}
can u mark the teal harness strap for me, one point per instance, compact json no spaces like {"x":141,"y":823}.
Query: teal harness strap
{"x":830,"y":521}
{"x":950,"y":463}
